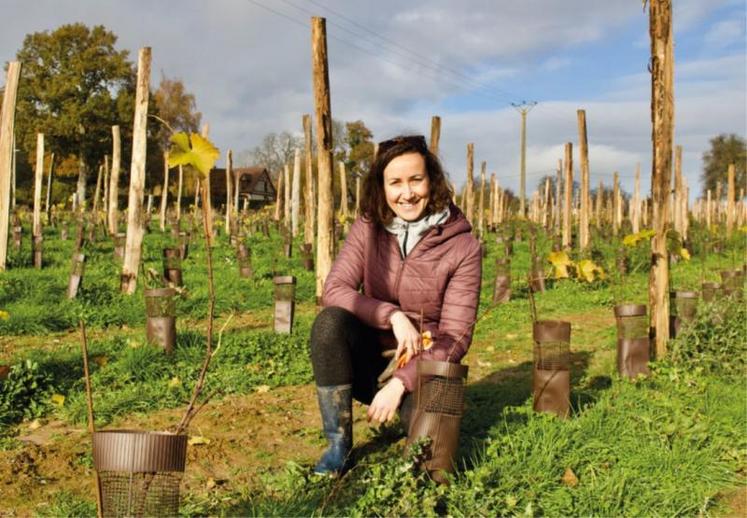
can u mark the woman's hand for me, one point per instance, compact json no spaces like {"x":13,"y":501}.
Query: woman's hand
{"x":408,"y":338}
{"x":386,"y":401}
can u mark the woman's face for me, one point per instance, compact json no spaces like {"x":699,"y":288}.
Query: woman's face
{"x":406,"y":186}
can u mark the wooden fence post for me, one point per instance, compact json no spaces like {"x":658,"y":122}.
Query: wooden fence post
{"x":481,"y":203}
{"x":287,"y":196}
{"x":179,"y":195}
{"x":469,"y":203}
{"x":491,"y":205}
{"x":38,"y":174}
{"x":616,"y":204}
{"x":343,"y":191}
{"x":583,"y":220}
{"x":296,"y":192}
{"x":229,"y":191}
{"x":662,"y":119}
{"x":558,"y":203}
{"x":568,"y":193}
{"x":309,"y":193}
{"x":114,"y":181}
{"x":105,"y":198}
{"x":133,"y":247}
{"x":635,"y":216}
{"x":48,"y":204}
{"x":7,"y":123}
{"x":730,"y":207}
{"x":323,"y":113}
{"x":435,"y":134}
{"x":164,"y":190}
{"x":280,"y":197}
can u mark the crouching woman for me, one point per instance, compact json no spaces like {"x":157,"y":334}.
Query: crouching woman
{"x":410,"y":260}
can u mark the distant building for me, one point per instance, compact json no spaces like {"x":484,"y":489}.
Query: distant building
{"x":254,"y":184}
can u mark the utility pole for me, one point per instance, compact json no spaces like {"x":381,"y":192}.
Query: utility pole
{"x":523,"y":108}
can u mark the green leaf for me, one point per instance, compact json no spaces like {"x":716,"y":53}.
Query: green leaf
{"x":201,"y":154}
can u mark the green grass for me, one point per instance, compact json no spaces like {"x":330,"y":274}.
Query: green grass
{"x":667,"y":445}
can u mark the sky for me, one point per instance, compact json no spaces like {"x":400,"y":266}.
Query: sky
{"x":394,"y":64}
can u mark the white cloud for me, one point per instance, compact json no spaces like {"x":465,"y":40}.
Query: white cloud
{"x":725,"y":33}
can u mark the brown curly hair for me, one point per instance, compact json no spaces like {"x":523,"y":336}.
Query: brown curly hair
{"x":373,"y":200}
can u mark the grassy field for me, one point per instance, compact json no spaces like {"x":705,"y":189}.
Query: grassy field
{"x":671,"y":444}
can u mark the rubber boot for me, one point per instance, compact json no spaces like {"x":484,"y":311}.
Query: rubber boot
{"x":336,"y":406}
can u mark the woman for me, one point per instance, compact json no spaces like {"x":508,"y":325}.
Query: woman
{"x":413,"y":254}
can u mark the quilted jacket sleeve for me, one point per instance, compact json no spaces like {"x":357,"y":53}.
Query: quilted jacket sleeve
{"x":345,"y":278}
{"x":458,"y":314}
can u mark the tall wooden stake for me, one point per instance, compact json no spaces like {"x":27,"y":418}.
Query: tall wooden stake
{"x":296,"y":192}
{"x":133,"y":247}
{"x":677,"y":205}
{"x":229,"y":191}
{"x":481,"y":203}
{"x":583,"y":220}
{"x":179,"y":195}
{"x":114,"y":181}
{"x":343,"y":191}
{"x":469,"y":203}
{"x":310,"y":220}
{"x":38,"y":174}
{"x":635,"y":211}
{"x":435,"y":134}
{"x":616,"y":204}
{"x":165,"y":190}
{"x":48,"y":203}
{"x":567,"y":195}
{"x":730,"y":201}
{"x":491,"y":205}
{"x":323,"y":114}
{"x":662,"y":118}
{"x":7,"y":123}
{"x":286,"y":195}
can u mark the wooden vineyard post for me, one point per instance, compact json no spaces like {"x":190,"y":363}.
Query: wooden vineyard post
{"x":279,"y":197}
{"x":616,"y":204}
{"x":164,"y":190}
{"x":96,"y":192}
{"x":598,"y":205}
{"x":133,"y":246}
{"x":435,"y":134}
{"x":567,"y":195}
{"x":38,"y":174}
{"x":229,"y":191}
{"x":208,"y":191}
{"x":343,"y":192}
{"x":114,"y":180}
{"x":730,"y":201}
{"x":676,"y":206}
{"x":662,"y":119}
{"x":286,"y":195}
{"x":491,"y":204}
{"x":179,"y":195}
{"x":48,"y":203}
{"x":583,"y":220}
{"x":357,"y":195}
{"x":310,"y":209}
{"x":684,"y":203}
{"x":296,"y":192}
{"x":469,"y":192}
{"x":7,"y":123}
{"x":558,"y":204}
{"x":635,"y":208}
{"x":323,"y":113}
{"x":105,"y":197}
{"x":481,"y":203}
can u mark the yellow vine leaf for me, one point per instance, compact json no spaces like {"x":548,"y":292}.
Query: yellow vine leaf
{"x":197,"y":440}
{"x":193,"y":150}
{"x":685,"y":254}
{"x":588,"y":270}
{"x":4,"y":315}
{"x":560,"y":262}
{"x":57,"y":399}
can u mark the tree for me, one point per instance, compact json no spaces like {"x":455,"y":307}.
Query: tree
{"x":725,"y":150}
{"x":74,"y":86}
{"x":177,"y":107}
{"x":275,"y":151}
{"x":360,"y":147}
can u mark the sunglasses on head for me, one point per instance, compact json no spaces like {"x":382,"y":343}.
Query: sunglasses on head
{"x":416,"y":141}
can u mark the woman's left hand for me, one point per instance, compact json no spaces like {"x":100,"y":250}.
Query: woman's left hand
{"x":386,"y":401}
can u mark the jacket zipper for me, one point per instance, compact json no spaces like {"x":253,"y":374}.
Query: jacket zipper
{"x":404,"y":259}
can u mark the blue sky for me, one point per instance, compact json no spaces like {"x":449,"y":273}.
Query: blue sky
{"x":248,"y":63}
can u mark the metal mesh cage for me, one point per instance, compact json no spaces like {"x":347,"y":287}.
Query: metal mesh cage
{"x":552,"y":355}
{"x":140,"y":494}
{"x":442,"y":395}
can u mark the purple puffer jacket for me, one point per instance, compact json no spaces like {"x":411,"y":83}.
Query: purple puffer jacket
{"x":440,"y":277}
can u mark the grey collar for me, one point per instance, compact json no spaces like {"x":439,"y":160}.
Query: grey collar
{"x":409,"y":233}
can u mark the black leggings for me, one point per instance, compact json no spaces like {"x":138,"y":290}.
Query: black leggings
{"x":345,"y":351}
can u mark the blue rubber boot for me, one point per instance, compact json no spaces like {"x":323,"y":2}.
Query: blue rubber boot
{"x":336,"y":406}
